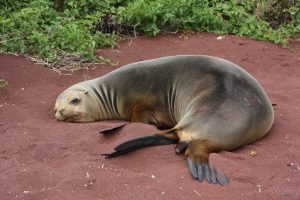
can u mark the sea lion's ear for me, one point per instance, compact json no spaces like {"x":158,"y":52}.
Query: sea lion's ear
{"x":85,"y":92}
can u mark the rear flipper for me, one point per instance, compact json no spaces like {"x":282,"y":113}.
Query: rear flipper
{"x":143,"y":142}
{"x":197,"y":154}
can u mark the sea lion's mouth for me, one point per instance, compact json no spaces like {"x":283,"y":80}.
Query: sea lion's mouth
{"x":72,"y":118}
{"x":67,"y":118}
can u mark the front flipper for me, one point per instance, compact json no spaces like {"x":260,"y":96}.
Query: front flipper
{"x":113,"y":129}
{"x":143,"y":142}
{"x":197,"y":158}
{"x":181,"y":147}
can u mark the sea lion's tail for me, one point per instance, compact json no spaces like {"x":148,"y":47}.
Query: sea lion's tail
{"x":141,"y":142}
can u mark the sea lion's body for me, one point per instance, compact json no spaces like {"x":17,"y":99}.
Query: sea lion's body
{"x":205,"y":101}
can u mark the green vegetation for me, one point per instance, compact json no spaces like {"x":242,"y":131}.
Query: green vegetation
{"x":52,"y":29}
{"x":250,"y":18}
{"x":36,"y":28}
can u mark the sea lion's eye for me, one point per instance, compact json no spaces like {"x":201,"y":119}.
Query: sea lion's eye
{"x":75,"y":101}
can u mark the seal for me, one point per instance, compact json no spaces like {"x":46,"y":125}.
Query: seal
{"x":203,"y":104}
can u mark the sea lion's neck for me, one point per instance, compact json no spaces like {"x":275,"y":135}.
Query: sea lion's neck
{"x":106,"y":99}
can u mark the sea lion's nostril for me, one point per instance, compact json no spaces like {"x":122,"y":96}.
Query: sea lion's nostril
{"x":61,"y":110}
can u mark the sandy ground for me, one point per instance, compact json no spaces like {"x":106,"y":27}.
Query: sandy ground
{"x":41,"y":158}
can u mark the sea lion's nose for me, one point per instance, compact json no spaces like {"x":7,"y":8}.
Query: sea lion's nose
{"x":59,"y":110}
{"x":59,"y":114}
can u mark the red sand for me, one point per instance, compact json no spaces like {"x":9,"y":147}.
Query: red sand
{"x":42,"y":158}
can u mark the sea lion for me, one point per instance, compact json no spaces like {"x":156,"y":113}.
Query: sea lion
{"x":203,"y":103}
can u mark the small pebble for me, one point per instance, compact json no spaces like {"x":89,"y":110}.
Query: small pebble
{"x":253,"y":153}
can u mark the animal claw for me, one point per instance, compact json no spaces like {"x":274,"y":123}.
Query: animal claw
{"x":201,"y":173}
{"x":214,"y":175}
{"x":193,"y":168}
{"x":222,"y":179}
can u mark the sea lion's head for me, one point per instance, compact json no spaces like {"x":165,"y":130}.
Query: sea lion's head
{"x":76,"y":105}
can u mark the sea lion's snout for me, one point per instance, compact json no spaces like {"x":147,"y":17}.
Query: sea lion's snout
{"x":67,"y":115}
{"x":62,"y":111}
{"x":58,"y":114}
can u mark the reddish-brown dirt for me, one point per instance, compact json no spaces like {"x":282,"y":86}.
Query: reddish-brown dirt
{"x":41,"y":158}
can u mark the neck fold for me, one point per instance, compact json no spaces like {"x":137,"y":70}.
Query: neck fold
{"x":107,"y":102}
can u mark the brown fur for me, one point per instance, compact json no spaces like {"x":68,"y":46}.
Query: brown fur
{"x":199,"y":150}
{"x":147,"y":113}
{"x":168,"y":134}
